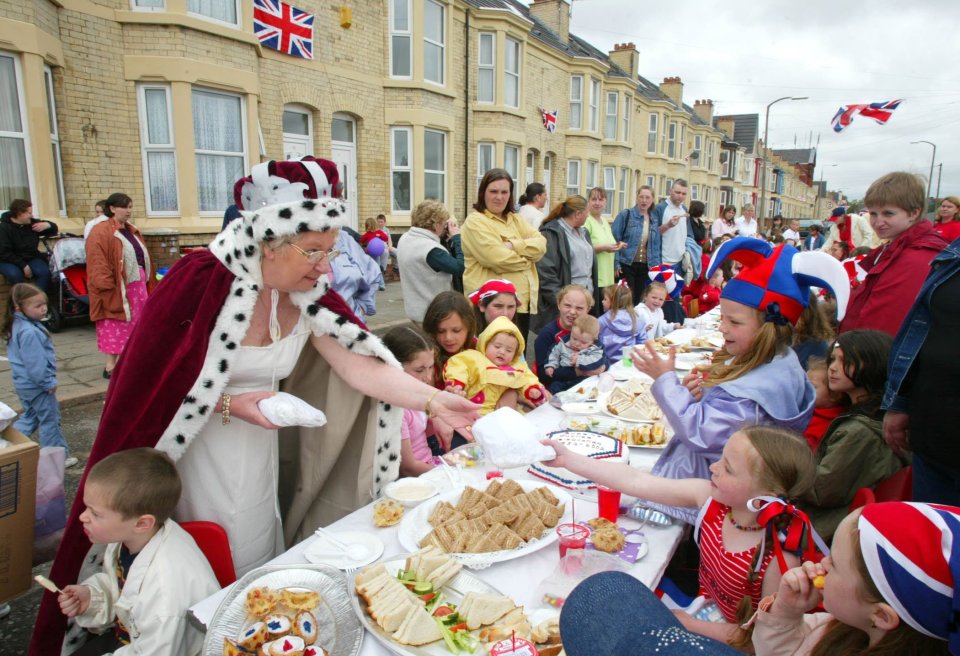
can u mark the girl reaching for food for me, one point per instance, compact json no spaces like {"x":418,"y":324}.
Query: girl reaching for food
{"x":755,"y":378}
{"x":741,"y":508}
{"x":889,"y":587}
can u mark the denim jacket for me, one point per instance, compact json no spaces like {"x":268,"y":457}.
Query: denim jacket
{"x":913,"y":331}
{"x":628,"y":227}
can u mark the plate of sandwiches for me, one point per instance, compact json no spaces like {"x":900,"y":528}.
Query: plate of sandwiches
{"x":633,"y":402}
{"x":478,"y":527}
{"x":426,"y":604}
{"x":710,"y":343}
{"x":282,"y":610}
{"x":654,"y":435}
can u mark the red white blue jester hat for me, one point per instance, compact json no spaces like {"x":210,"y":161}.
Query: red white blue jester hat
{"x":777,"y":281}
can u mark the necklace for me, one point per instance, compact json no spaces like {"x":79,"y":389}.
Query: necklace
{"x":740,"y":527}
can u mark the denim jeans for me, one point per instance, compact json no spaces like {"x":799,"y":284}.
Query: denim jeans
{"x":39,"y":268}
{"x":41,"y":410}
{"x":933,"y":483}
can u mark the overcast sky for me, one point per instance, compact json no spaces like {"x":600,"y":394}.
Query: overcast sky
{"x":749,"y":53}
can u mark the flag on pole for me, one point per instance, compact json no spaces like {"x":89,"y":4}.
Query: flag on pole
{"x":282,"y":27}
{"x":879,"y":112}
{"x":549,"y":119}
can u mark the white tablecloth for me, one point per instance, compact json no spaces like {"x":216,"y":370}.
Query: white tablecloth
{"x":518,"y":578}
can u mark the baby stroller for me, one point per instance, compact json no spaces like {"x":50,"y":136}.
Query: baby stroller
{"x":68,"y":286}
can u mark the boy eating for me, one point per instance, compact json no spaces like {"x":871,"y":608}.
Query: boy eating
{"x":152,"y":569}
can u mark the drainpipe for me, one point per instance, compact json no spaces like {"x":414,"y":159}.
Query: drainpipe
{"x":466,"y":116}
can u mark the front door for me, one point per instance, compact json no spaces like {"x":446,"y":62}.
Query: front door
{"x":345,"y":157}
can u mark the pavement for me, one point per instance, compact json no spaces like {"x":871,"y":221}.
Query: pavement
{"x":80,"y":364}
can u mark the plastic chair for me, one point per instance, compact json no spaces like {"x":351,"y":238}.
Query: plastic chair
{"x":213,"y":542}
{"x":863,"y":496}
{"x":898,"y":487}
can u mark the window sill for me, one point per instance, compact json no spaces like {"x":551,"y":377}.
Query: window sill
{"x":391,"y":83}
{"x":497,"y":109}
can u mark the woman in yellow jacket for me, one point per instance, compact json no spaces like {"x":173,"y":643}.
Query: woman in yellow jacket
{"x":499,"y":243}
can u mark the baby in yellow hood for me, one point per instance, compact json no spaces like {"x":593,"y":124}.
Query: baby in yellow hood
{"x":484,"y":374}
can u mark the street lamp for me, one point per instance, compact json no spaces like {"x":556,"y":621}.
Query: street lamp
{"x":930,"y":179}
{"x":816,"y":203}
{"x":766,"y":142}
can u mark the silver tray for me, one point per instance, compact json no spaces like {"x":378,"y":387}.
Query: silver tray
{"x":340,"y":632}
{"x":453,"y":591}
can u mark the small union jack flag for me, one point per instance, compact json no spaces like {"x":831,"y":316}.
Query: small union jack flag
{"x":549,"y":119}
{"x":282,"y":27}
{"x":879,"y":112}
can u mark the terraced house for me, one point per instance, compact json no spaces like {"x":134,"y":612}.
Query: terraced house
{"x":171,"y":101}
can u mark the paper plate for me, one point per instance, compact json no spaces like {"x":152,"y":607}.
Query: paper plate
{"x":580,"y":408}
{"x":322,"y":552}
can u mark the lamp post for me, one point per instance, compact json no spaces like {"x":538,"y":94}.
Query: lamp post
{"x":763,"y":172}
{"x":932,"y":160}
{"x":816,"y":203}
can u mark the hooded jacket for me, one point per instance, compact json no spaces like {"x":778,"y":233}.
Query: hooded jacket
{"x":484,"y":382}
{"x":19,"y":243}
{"x":618,"y":333}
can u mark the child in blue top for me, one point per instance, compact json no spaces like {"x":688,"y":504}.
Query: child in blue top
{"x":620,"y":327}
{"x":33,"y":365}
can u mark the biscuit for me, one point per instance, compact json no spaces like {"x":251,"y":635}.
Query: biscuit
{"x":607,"y":539}
{"x":261,"y":601}
{"x":387,"y":512}
{"x":598,"y":523}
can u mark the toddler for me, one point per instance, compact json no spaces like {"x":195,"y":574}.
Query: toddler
{"x":33,"y":365}
{"x":486,"y":374}
{"x":650,"y":311}
{"x":578,"y":357}
{"x":619,"y":326}
{"x":129,"y":497}
{"x":827,"y":404}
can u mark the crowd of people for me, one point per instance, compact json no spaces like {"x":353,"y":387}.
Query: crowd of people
{"x":829,"y":379}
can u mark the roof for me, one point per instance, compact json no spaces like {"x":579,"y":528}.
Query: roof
{"x":798,"y":155}
{"x":746,"y":129}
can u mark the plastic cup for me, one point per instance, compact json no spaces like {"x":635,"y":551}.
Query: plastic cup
{"x":609,"y":501}
{"x":572,"y":536}
{"x":626,"y":355}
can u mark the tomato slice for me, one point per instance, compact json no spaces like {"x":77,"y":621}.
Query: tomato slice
{"x":441,"y":611}
{"x":427,"y":597}
{"x":459,"y":627}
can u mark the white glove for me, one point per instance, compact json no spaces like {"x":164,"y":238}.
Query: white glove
{"x":285,"y":409}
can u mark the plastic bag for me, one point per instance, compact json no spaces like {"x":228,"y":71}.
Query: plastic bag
{"x":51,"y":513}
{"x":7,"y":415}
{"x":285,"y":409}
{"x":573,"y":568}
{"x":509,"y":440}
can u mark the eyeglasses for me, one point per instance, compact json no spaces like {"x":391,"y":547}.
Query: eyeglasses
{"x":316,"y":257}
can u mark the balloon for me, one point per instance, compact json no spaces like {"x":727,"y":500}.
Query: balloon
{"x":375,"y":247}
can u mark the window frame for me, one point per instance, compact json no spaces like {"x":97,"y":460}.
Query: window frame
{"x":610,"y":190}
{"x":672,"y":140}
{"x":509,"y":75}
{"x":625,"y":119}
{"x":515,"y":173}
{"x":24,"y":133}
{"x":244,"y":153}
{"x":237,"y":10}
{"x":652,"y":183}
{"x":694,"y":192}
{"x":611,"y":120}
{"x":401,"y":168}
{"x":146,"y":147}
{"x":595,"y":91}
{"x":653,"y":129}
{"x":592,"y":169}
{"x":55,"y":138}
{"x":576,"y":102}
{"x":698,"y":149}
{"x":481,"y":169}
{"x":402,"y":34}
{"x":441,"y":45}
{"x":136,"y":7}
{"x":483,"y":67}
{"x":573,"y":172}
{"x":711,"y":151}
{"x":442,"y":173}
{"x":622,"y":190}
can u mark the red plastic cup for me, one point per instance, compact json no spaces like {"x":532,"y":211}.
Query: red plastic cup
{"x":572,"y":536}
{"x":609,"y":501}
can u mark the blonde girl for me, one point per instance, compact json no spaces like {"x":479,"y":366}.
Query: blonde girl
{"x":620,"y":327}
{"x":755,"y":378}
{"x":737,"y":566}
{"x":33,"y":366}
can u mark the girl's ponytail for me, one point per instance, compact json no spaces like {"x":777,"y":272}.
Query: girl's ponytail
{"x":19,"y":293}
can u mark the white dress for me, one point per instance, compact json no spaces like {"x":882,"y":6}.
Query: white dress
{"x":230,"y":472}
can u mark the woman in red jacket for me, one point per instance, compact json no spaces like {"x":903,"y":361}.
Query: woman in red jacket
{"x":897,"y":269}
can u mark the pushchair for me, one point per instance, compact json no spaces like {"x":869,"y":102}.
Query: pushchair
{"x":68,"y":297}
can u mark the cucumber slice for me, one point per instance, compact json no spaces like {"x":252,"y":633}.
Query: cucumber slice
{"x":422,"y":587}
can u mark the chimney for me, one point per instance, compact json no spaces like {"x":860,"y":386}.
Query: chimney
{"x":625,"y":56}
{"x":726,"y":125}
{"x":555,"y":14}
{"x":672,"y":88}
{"x":704,"y":109}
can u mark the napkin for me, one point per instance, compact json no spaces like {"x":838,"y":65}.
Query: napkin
{"x":509,"y":440}
{"x":285,"y":409}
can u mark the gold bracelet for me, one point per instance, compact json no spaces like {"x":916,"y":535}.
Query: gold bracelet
{"x":426,"y":407}
{"x":225,"y":408}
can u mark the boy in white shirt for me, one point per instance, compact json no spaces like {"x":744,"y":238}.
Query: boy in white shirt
{"x":792,"y":234}
{"x":153,"y":570}
{"x":747,"y":223}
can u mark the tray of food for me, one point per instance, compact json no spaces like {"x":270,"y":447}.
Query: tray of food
{"x":652,"y":435}
{"x":277,"y":610}
{"x":425,"y":604}
{"x":662,"y":346}
{"x":632,"y":401}
{"x":507,"y":519}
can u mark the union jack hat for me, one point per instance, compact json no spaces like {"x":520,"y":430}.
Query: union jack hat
{"x":778,"y":280}
{"x":912,"y":551}
{"x":671,"y":279}
{"x":855,"y":272}
{"x":490,"y":289}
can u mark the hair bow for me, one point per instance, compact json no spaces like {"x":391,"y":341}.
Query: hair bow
{"x":773,"y":314}
{"x":791,"y":536}
{"x":622,"y":283}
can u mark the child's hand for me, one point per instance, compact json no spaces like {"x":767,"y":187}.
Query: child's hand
{"x":797,"y":592}
{"x":573,"y":359}
{"x":549,"y":371}
{"x":693,"y":381}
{"x":534,"y":394}
{"x":648,"y":328}
{"x":646,"y":360}
{"x":74,"y":600}
{"x":562,"y":453}
{"x":455,"y":389}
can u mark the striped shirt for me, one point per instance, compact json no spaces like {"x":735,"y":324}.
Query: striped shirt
{"x":723,"y":574}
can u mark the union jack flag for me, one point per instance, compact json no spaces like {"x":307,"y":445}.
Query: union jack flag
{"x":282,"y":27}
{"x":549,"y":119}
{"x":879,"y":112}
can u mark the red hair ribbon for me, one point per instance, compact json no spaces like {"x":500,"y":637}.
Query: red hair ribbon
{"x":622,"y":283}
{"x":791,"y":537}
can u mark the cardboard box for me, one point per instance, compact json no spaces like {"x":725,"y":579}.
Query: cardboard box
{"x":18,"y":498}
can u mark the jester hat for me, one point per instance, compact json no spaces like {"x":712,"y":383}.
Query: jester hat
{"x":912,"y":551}
{"x":778,"y":280}
{"x":672,"y":280}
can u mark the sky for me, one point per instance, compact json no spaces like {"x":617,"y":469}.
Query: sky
{"x":743,"y":54}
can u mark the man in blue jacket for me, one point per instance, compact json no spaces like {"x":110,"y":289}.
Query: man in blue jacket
{"x":671,"y":220}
